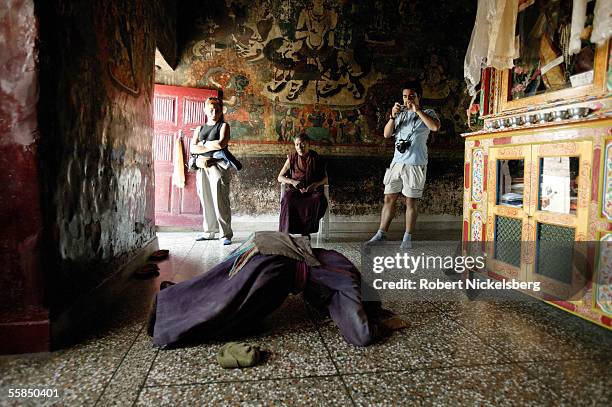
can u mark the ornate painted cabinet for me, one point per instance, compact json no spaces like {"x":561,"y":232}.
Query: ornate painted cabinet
{"x":538,"y":180}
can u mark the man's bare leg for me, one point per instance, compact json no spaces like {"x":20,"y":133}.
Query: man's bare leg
{"x":411,"y":217}
{"x":386,"y":216}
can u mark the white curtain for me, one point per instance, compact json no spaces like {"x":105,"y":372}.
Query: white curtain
{"x":602,"y":22}
{"x":578,"y":20}
{"x":492,"y":40}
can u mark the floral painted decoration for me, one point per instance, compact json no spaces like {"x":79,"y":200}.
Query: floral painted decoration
{"x":525,"y":81}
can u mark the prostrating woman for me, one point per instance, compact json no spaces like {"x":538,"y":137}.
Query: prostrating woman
{"x":304,"y":203}
{"x":253,"y":281}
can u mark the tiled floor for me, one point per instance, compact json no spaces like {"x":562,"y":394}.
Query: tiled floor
{"x":453,"y":353}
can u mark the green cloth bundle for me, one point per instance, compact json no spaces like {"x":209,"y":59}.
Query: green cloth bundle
{"x":238,"y":355}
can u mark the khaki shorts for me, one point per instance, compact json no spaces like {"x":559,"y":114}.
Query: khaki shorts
{"x":407,"y":179}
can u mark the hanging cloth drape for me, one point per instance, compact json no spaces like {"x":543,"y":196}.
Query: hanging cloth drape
{"x":476,"y":55}
{"x":501,"y":38}
{"x":178,"y":164}
{"x":602,"y":22}
{"x":492,"y":40}
{"x":578,"y":20}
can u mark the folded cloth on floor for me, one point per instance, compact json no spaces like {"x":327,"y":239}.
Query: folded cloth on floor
{"x":238,"y":355}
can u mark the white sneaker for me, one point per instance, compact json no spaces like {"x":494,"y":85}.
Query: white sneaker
{"x":206,"y":236}
{"x":378,"y":237}
{"x":406,"y":245}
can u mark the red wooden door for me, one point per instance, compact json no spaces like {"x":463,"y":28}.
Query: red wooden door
{"x":177,"y":112}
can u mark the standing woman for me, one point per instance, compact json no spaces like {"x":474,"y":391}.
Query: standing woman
{"x":304,"y":203}
{"x":213,"y":177}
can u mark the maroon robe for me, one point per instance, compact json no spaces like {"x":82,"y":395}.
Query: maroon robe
{"x":301,"y":212}
{"x":215,"y":305}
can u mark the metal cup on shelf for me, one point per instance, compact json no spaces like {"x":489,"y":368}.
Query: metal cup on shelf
{"x":559,"y":115}
{"x":502,"y":123}
{"x":529,"y":119}
{"x":542,"y":117}
{"x":515,"y":121}
{"x":578,"y":112}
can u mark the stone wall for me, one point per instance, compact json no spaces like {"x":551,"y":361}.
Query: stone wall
{"x":97,"y":181}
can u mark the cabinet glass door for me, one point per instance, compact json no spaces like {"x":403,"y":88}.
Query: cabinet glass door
{"x":509,"y":197}
{"x":561,"y":182}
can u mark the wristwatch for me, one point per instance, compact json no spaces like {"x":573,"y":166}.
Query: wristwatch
{"x":391,"y":117}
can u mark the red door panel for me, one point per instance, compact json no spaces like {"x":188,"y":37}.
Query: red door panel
{"x":177,"y":112}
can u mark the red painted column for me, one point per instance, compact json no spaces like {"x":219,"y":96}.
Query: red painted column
{"x":24,"y":322}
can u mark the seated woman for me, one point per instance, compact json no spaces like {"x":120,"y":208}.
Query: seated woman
{"x":304,"y":203}
{"x":253,"y":281}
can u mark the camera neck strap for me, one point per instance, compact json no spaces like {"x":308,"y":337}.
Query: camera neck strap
{"x":413,"y":123}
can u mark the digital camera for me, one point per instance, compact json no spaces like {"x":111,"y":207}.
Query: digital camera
{"x":402,"y":145}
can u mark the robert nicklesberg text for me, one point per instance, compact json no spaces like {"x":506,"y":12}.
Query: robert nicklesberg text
{"x":437,"y":284}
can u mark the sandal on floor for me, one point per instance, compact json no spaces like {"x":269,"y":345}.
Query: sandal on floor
{"x":147,"y":271}
{"x":159,"y":255}
{"x":165,"y":284}
{"x":395,"y":323}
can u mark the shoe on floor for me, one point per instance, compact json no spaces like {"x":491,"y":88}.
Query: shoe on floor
{"x":161,"y":254}
{"x":406,"y":245}
{"x":226,"y":242}
{"x":165,"y":284}
{"x":147,"y":271}
{"x":379,"y":236}
{"x":203,"y":237}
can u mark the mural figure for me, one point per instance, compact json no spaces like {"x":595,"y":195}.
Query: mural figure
{"x":206,"y":50}
{"x":316,"y":27}
{"x":285,"y":128}
{"x":349,"y":131}
{"x":435,"y":85}
{"x":300,"y":53}
{"x":305,"y":59}
{"x":380,"y":30}
{"x":121,"y":64}
{"x":319,"y":130}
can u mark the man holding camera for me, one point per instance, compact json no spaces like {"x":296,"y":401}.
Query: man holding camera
{"x":410,"y":125}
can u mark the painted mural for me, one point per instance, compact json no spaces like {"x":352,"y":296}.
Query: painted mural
{"x":331,"y":68}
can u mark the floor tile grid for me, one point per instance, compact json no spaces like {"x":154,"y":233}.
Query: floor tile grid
{"x":502,"y":351}
{"x":142,"y":384}
{"x":316,"y":391}
{"x":234,"y":381}
{"x":522,"y":365}
{"x":117,"y":368}
{"x":363,"y":374}
{"x":329,"y":353}
{"x":350,"y":250}
{"x":146,"y":388}
{"x":226,"y":381}
{"x":181,"y":256}
{"x":433,"y":370}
